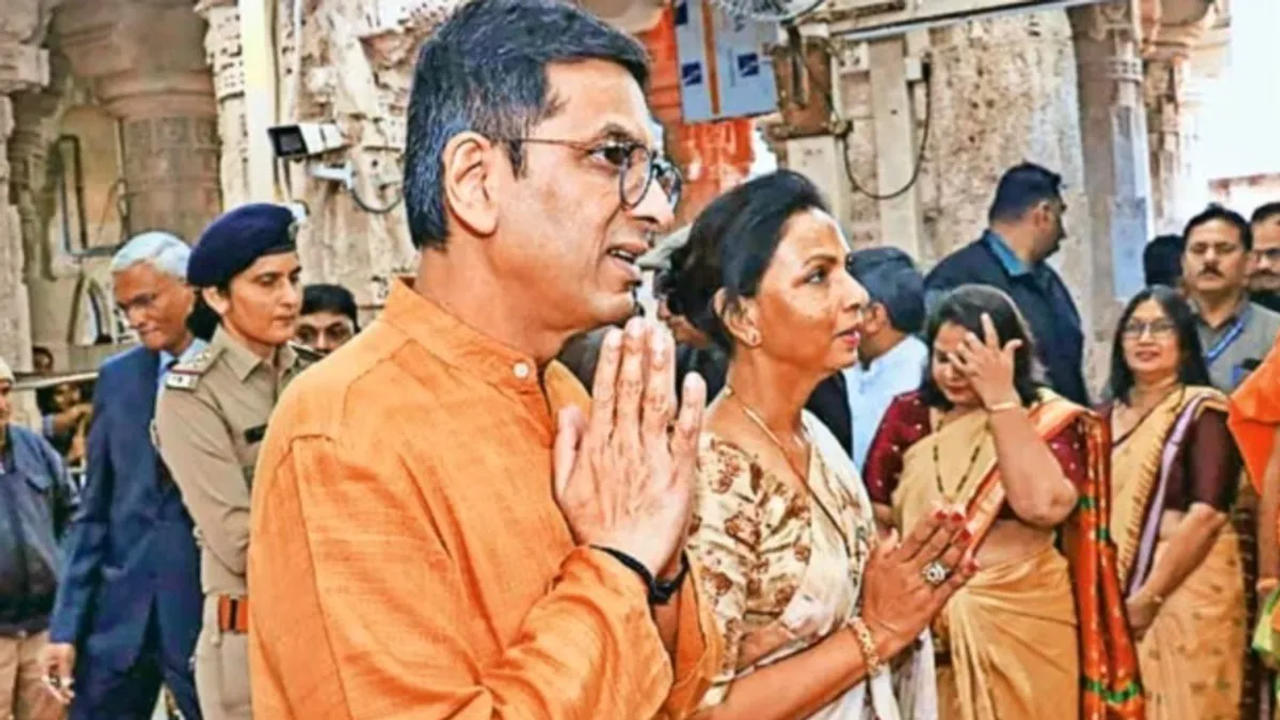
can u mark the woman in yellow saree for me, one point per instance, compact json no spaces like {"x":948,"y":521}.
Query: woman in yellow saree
{"x":1175,"y":472}
{"x":1039,"y":631}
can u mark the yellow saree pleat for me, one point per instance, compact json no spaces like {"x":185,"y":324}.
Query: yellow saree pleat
{"x":1192,"y":657}
{"x":1011,"y":631}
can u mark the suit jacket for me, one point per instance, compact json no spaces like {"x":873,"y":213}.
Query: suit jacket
{"x":130,"y":550}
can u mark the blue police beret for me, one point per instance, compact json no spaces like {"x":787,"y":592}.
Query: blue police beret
{"x":238,"y":237}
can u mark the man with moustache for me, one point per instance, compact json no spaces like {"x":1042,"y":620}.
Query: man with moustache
{"x":1264,"y":278}
{"x":128,"y":609}
{"x":439,"y":531}
{"x":1235,"y":334}
{"x":1025,"y":229}
{"x":211,"y":418}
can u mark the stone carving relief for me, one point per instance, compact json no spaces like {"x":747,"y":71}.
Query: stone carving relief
{"x":354,"y":66}
{"x":24,"y":65}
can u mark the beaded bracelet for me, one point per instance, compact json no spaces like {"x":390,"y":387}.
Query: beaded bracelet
{"x":868,"y":645}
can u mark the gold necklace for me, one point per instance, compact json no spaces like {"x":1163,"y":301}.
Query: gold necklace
{"x":952,"y":496}
{"x":755,"y":417}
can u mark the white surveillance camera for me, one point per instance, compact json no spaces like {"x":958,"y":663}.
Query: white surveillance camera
{"x":304,"y":139}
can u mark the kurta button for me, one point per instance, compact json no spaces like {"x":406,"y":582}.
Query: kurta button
{"x":521,"y":370}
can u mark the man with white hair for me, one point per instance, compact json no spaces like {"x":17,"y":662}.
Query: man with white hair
{"x":128,"y":610}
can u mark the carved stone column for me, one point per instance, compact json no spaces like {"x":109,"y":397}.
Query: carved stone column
{"x":1114,"y":136}
{"x":1171,"y":29}
{"x":226,"y":62}
{"x":148,"y":69}
{"x":23,"y":65}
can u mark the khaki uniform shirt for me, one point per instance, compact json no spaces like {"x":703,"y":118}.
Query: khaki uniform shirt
{"x":211,"y":417}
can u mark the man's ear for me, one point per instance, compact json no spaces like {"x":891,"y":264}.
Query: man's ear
{"x":469,"y":165}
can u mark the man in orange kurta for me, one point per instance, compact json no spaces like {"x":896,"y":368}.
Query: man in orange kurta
{"x":1254,"y":419}
{"x":432,"y":537}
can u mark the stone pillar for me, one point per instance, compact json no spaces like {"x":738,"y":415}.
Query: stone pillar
{"x":1165,"y":81}
{"x":148,"y":69}
{"x":1116,"y":178}
{"x":1171,"y":30}
{"x":23,"y":65}
{"x":352,"y":64}
{"x":226,"y":63}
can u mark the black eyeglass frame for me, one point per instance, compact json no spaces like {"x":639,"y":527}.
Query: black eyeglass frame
{"x":657,"y":165}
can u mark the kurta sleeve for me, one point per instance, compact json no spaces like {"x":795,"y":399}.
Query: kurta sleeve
{"x":724,"y":543}
{"x":358,"y":616}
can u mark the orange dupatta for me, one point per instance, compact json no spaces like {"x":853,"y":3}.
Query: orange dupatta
{"x":1111,"y":688}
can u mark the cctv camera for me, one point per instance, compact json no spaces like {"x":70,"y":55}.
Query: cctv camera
{"x":304,"y":139}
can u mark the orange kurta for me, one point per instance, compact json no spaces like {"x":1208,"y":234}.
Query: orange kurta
{"x":1255,"y":415}
{"x":408,"y":559}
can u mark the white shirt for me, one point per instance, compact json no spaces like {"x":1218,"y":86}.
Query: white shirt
{"x":873,"y":387}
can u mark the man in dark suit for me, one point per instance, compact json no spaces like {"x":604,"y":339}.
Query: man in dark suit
{"x":128,"y":610}
{"x":1025,"y":228}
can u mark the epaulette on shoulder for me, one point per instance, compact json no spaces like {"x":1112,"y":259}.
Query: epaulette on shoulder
{"x":186,"y":375}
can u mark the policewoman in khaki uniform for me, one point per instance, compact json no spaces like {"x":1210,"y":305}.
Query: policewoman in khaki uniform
{"x":211,"y":417}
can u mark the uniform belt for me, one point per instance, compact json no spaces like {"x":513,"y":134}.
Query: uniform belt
{"x":233,"y":614}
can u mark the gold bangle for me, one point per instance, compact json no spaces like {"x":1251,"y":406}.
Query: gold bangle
{"x":1002,"y":406}
{"x":868,"y":645}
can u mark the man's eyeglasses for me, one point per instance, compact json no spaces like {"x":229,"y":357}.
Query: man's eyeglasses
{"x":1271,"y":255}
{"x":1158,"y":329}
{"x":638,"y":167}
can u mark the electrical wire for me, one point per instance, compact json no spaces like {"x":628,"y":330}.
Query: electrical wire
{"x":915,"y":172}
{"x":355,"y":195}
{"x":829,"y":96}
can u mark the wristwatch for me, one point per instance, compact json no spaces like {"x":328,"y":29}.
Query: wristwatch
{"x":659,"y":590}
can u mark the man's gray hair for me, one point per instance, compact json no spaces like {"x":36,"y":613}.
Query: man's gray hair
{"x":164,"y":251}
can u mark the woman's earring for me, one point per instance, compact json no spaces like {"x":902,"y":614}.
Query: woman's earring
{"x":753,"y":339}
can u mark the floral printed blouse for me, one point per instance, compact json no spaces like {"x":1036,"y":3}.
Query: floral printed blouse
{"x":769,"y":550}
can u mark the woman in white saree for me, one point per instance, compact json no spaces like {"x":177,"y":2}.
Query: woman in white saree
{"x":813,"y":607}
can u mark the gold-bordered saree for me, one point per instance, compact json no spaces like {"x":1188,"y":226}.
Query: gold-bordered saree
{"x":1045,"y":633}
{"x":1192,"y":656}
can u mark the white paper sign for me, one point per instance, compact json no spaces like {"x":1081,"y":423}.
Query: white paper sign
{"x":737,"y":80}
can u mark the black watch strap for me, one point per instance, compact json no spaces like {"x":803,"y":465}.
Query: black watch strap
{"x":659,"y":591}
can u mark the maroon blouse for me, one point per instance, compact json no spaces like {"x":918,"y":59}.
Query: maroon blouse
{"x":1206,"y":467}
{"x":907,"y":421}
